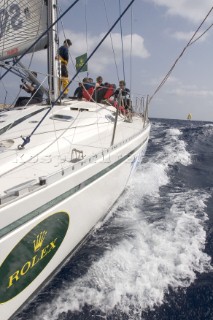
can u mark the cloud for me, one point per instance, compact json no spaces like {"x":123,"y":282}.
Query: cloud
{"x":104,"y":56}
{"x":104,"y":59}
{"x":154,"y":82}
{"x":193,"y":10}
{"x":176,"y":87}
{"x":187,"y":35}
{"x":183,"y":92}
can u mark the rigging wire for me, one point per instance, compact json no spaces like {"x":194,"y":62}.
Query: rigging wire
{"x":5,"y":6}
{"x":38,"y":27}
{"x":32,"y":53}
{"x":202,"y":34}
{"x":113,"y":50}
{"x":86,"y":26}
{"x":65,"y":37}
{"x":130,"y":87}
{"x":97,"y":114}
{"x":41,"y":151}
{"x":39,"y":38}
{"x":55,"y":131}
{"x":27,"y":139}
{"x":7,"y":42}
{"x":96,"y":48}
{"x":122,"y":44}
{"x":190,"y":42}
{"x":1,"y":69}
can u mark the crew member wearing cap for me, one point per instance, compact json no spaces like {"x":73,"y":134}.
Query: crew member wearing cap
{"x":63,"y":56}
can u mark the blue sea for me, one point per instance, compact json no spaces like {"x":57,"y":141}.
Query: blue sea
{"x":151,"y":258}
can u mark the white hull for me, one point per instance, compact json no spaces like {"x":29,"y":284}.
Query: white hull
{"x":65,"y":206}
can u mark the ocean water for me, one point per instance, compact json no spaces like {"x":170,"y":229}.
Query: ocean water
{"x":151,"y":258}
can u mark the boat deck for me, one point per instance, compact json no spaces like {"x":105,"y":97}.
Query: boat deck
{"x":71,"y":136}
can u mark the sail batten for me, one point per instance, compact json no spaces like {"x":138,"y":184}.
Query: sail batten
{"x":21,"y":23}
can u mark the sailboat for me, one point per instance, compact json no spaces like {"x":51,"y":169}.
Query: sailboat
{"x":63,"y":164}
{"x":189,"y":116}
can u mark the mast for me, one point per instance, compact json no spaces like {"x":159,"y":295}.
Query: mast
{"x":52,"y":50}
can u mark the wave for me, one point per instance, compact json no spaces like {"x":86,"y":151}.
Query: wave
{"x":153,"y":240}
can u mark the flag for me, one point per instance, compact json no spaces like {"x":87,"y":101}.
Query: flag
{"x":80,"y":61}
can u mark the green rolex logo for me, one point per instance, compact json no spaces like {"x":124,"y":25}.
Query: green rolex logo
{"x":31,"y":255}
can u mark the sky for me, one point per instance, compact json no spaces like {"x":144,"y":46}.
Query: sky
{"x":154,"y":34}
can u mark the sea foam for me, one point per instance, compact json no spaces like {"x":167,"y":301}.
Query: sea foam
{"x":161,"y":246}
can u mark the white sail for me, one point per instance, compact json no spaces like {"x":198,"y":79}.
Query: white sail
{"x":21,"y":23}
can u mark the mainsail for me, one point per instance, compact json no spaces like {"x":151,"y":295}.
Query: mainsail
{"x":21,"y":23}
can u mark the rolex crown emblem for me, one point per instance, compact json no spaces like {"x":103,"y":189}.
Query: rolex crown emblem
{"x":39,"y":240}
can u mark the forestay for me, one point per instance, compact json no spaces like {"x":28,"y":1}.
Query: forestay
{"x":21,"y":23}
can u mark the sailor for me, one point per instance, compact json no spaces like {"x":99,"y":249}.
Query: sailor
{"x":63,"y":57}
{"x":33,"y":89}
{"x":99,"y":82}
{"x":78,"y":90}
{"x":86,"y":91}
{"x":123,"y":94}
{"x":122,"y":89}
